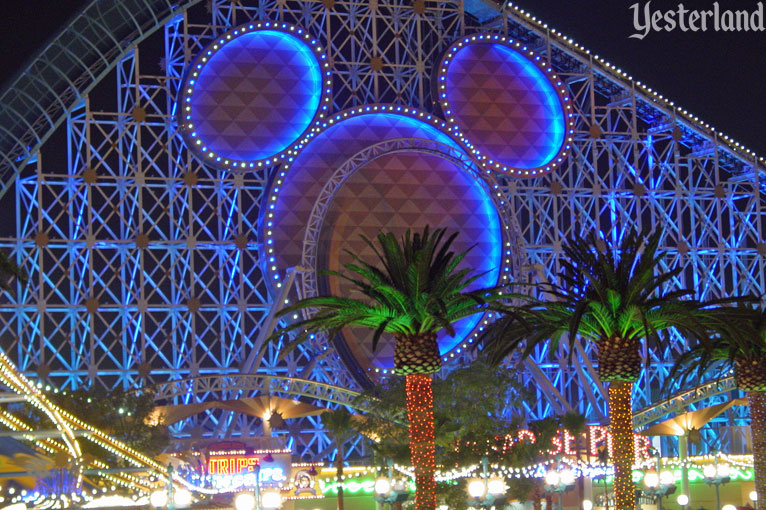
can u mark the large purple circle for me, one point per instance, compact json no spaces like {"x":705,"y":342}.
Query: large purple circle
{"x":404,"y":191}
{"x":251,"y":94}
{"x":439,"y":192}
{"x":511,"y":112}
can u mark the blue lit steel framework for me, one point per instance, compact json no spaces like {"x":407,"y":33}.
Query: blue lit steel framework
{"x":38,"y":99}
{"x":144,"y":264}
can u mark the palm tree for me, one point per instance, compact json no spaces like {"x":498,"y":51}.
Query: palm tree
{"x":340,"y":425}
{"x":416,"y":292}
{"x":739,"y":343}
{"x":613,"y":298}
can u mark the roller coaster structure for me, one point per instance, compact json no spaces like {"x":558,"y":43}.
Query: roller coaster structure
{"x":146,"y":266}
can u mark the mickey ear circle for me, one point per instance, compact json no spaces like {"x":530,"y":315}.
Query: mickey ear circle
{"x":506,"y":106}
{"x":252,"y":93}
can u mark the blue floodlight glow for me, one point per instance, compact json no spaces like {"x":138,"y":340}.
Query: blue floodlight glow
{"x":252,"y":93}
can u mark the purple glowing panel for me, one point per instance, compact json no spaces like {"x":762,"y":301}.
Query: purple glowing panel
{"x":252,"y":98}
{"x":504,"y":106}
{"x":410,"y":190}
{"x":392,"y":192}
{"x":307,"y":175}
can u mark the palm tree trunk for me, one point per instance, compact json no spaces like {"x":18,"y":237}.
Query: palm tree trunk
{"x":420,"y":413}
{"x":339,"y":474}
{"x":757,"y":400}
{"x":537,"y":495}
{"x":621,"y":417}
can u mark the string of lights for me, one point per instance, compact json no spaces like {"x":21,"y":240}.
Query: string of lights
{"x":607,"y":67}
{"x":420,"y":405}
{"x":621,"y":416}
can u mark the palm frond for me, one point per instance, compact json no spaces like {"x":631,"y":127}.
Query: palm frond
{"x":415,"y":287}
{"x":607,"y":291}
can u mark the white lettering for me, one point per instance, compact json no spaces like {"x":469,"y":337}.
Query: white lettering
{"x":637,"y":23}
{"x":645,"y":19}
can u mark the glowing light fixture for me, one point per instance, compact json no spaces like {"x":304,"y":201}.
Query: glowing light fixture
{"x":182,"y":498}
{"x":651,"y":480}
{"x":271,"y":500}
{"x":382,"y":486}
{"x":159,"y":498}
{"x":244,"y":501}
{"x":476,"y":488}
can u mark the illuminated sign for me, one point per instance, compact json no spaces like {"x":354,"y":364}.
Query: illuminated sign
{"x":364,"y":486}
{"x":239,"y":465}
{"x":231,"y":472}
{"x":596,"y":438}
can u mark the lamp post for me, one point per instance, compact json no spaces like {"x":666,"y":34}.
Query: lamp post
{"x":717,"y":474}
{"x":246,"y":501}
{"x":659,"y":485}
{"x":485,"y":491}
{"x":171,"y":502}
{"x":559,"y":482}
{"x":170,"y":498}
{"x":258,"y":486}
{"x":266,"y":501}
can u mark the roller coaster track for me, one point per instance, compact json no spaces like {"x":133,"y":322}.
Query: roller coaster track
{"x":53,"y":446}
{"x":182,"y":388}
{"x":38,"y":99}
{"x":256,"y":382}
{"x":65,"y":422}
{"x":206,"y":384}
{"x":680,"y":402}
{"x":21,"y":385}
{"x":168,"y":391}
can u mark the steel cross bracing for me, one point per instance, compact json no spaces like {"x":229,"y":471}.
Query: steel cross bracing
{"x":209,"y":385}
{"x":145,"y":266}
{"x":680,"y":402}
{"x":38,"y":99}
{"x":635,"y":162}
{"x":309,"y":287}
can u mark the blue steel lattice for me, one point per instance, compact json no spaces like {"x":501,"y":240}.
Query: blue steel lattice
{"x":39,"y":98}
{"x":145,"y":265}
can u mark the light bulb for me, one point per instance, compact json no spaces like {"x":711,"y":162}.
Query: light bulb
{"x":753,"y":496}
{"x":552,"y":478}
{"x":683,"y":499}
{"x":244,"y":501}
{"x":729,"y":507}
{"x":382,"y":486}
{"x":709,"y":471}
{"x":724,"y":470}
{"x":182,"y":498}
{"x":496,"y":486}
{"x":476,"y":488}
{"x":159,"y":498}
{"x":568,"y":477}
{"x":587,"y":504}
{"x":666,"y":478}
{"x":271,"y":499}
{"x":651,"y":480}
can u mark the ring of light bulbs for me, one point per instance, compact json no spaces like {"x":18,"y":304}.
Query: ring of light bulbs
{"x":471,"y":145}
{"x":186,"y":124}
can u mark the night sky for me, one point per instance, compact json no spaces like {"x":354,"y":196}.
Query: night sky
{"x":718,"y":76}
